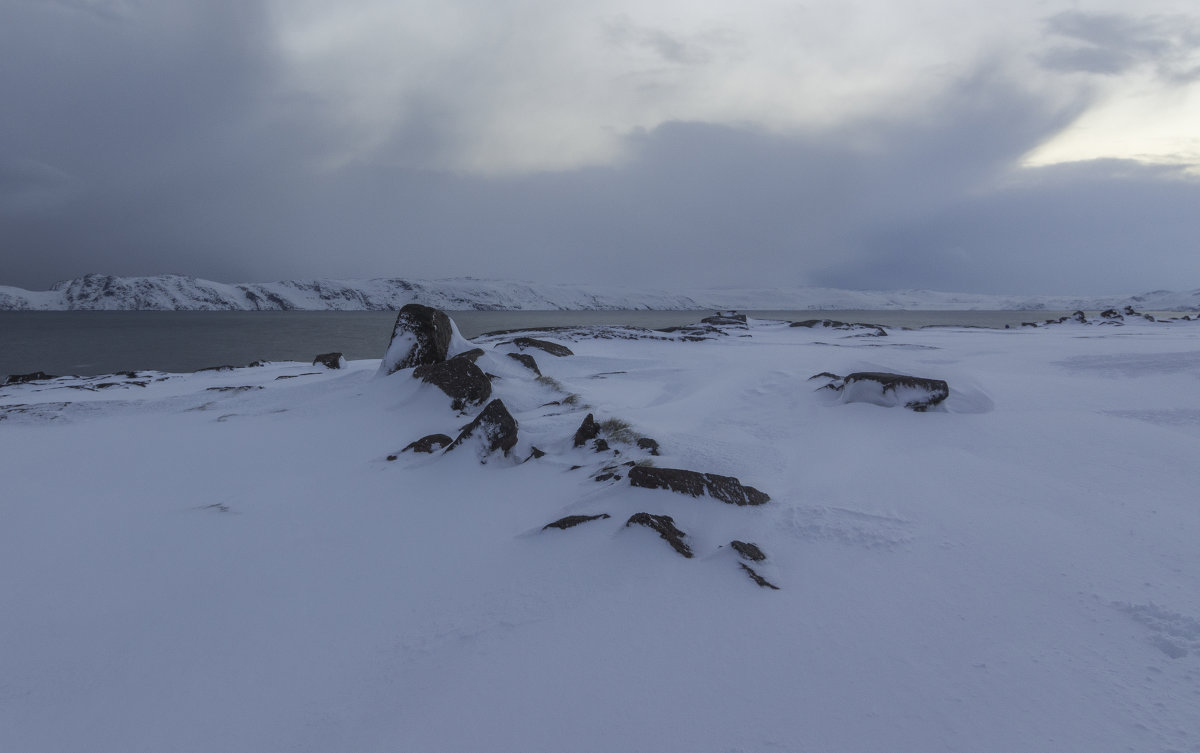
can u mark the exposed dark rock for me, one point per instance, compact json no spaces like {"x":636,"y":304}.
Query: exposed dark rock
{"x":726,"y":318}
{"x":256,"y":364}
{"x":587,"y":431}
{"x":527,"y":361}
{"x":420,"y":337}
{"x":1111,"y":314}
{"x":600,"y":445}
{"x":225,"y":367}
{"x":748,"y":551}
{"x":573,"y":520}
{"x":1080,"y":317}
{"x":495,"y":425}
{"x":534,"y":453}
{"x":873,"y":330}
{"x":646,"y":443}
{"x":240,"y":388}
{"x":329,"y":360}
{"x":37,"y":376}
{"x":392,"y":457}
{"x":471,"y":355}
{"x":609,"y":476}
{"x":881,"y":388}
{"x":428,"y":443}
{"x":664,"y":525}
{"x":758,"y":578}
{"x":727,"y":489}
{"x":463,"y":381}
{"x":553,"y":349}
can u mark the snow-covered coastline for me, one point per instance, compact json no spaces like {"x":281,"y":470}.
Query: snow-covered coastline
{"x":256,"y":559}
{"x":182,"y":293}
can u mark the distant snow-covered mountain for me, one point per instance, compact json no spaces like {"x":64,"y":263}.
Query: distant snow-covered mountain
{"x":181,"y":293}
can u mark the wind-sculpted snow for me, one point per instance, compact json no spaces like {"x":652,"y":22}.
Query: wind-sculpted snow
{"x":183,"y":293}
{"x":292,"y":558}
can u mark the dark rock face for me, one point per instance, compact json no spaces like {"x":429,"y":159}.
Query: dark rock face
{"x":587,"y":431}
{"x":36,"y":376}
{"x":664,"y":525}
{"x":421,"y":336}
{"x":553,"y":349}
{"x":573,"y":520}
{"x":471,"y":355}
{"x":463,"y":381}
{"x":881,"y":388}
{"x":534,"y":454}
{"x":758,"y":578}
{"x":727,"y":489}
{"x":527,"y":361}
{"x":727,"y":319}
{"x":495,"y":424}
{"x":872,"y":330}
{"x":428,"y":443}
{"x":329,"y":360}
{"x":1111,"y":314}
{"x":1080,"y":317}
{"x":646,"y":443}
{"x":748,"y":551}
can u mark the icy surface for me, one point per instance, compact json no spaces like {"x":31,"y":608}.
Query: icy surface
{"x":229,"y":561}
{"x":175,"y":292}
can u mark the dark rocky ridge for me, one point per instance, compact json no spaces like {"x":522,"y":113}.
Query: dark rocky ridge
{"x":727,"y":489}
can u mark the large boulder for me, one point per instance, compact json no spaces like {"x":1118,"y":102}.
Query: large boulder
{"x":329,"y":361}
{"x":421,"y":336}
{"x":494,"y":425}
{"x":727,"y":489}
{"x":889,"y":390}
{"x":587,"y":431}
{"x":463,"y":381}
{"x":664,"y":525}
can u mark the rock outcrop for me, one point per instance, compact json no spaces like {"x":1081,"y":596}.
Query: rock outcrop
{"x":329,"y":361}
{"x":882,"y":388}
{"x":494,"y":425}
{"x":36,"y":376}
{"x":527,"y":361}
{"x":748,"y":551}
{"x":587,"y":431}
{"x":421,"y":336}
{"x":573,"y":520}
{"x":553,"y":349}
{"x":664,"y":525}
{"x":463,"y":381}
{"x":726,"y":489}
{"x":869,"y":330}
{"x":428,"y":443}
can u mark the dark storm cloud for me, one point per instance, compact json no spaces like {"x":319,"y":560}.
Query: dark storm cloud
{"x":161,"y":140}
{"x":1110,"y":44}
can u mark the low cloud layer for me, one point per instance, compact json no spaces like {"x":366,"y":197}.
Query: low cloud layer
{"x":174,"y":137}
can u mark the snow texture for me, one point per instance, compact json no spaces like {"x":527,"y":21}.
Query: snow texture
{"x":178,"y":293}
{"x":243,"y":560}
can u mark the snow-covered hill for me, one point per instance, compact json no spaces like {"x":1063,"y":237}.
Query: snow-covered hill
{"x":180,"y":293}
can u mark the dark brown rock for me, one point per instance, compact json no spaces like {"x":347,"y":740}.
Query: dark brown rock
{"x":748,"y":551}
{"x":600,"y":445}
{"x":587,"y":431}
{"x":534,"y":454}
{"x":463,"y":381}
{"x":573,"y":520}
{"x":428,"y":443}
{"x":758,"y":578}
{"x":471,"y":355}
{"x":872,"y":330}
{"x":646,"y":443}
{"x":527,"y":361}
{"x":664,"y":525}
{"x":37,"y":376}
{"x":553,"y":349}
{"x":420,"y":336}
{"x":495,"y":425}
{"x":727,"y":489}
{"x":329,"y":360}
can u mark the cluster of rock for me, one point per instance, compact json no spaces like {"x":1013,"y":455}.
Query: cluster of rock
{"x":1111,"y":317}
{"x":421,"y":342}
{"x":882,"y":388}
{"x":857,"y":328}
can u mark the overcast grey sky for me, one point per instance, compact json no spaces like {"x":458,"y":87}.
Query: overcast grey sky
{"x":1030,"y":147}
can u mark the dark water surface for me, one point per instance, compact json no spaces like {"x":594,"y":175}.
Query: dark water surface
{"x":103,"y":342}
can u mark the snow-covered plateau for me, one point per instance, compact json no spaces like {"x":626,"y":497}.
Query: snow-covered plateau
{"x":181,"y":293}
{"x":249,"y":559}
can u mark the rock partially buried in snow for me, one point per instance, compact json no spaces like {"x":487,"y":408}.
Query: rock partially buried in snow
{"x":421,"y":336}
{"x":748,"y":551}
{"x":428,"y":443}
{"x":870,"y":330}
{"x":329,"y":360}
{"x":758,"y":578}
{"x":37,"y":376}
{"x":527,"y":361}
{"x":463,"y":381}
{"x":587,"y":431}
{"x":727,"y":489}
{"x":665,"y":526}
{"x":573,"y":520}
{"x":494,"y":425}
{"x":553,"y":349}
{"x":889,"y":390}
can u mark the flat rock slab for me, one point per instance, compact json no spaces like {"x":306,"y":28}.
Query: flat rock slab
{"x":664,"y":525}
{"x":553,"y":349}
{"x":37,"y":376}
{"x":748,"y":551}
{"x":882,"y":388}
{"x":873,"y":330}
{"x":527,"y":361}
{"x":727,"y":489}
{"x":573,"y":520}
{"x":463,"y":381}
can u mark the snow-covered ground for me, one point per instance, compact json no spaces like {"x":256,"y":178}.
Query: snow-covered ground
{"x":182,"y":293}
{"x":228,"y":561}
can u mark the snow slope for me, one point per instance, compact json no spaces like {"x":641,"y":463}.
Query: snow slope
{"x":175,"y":292}
{"x":193,"y":566}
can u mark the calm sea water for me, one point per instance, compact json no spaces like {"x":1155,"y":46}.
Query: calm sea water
{"x":103,"y":342}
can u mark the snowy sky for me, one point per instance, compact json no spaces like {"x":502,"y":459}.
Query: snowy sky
{"x":1022,"y":147}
